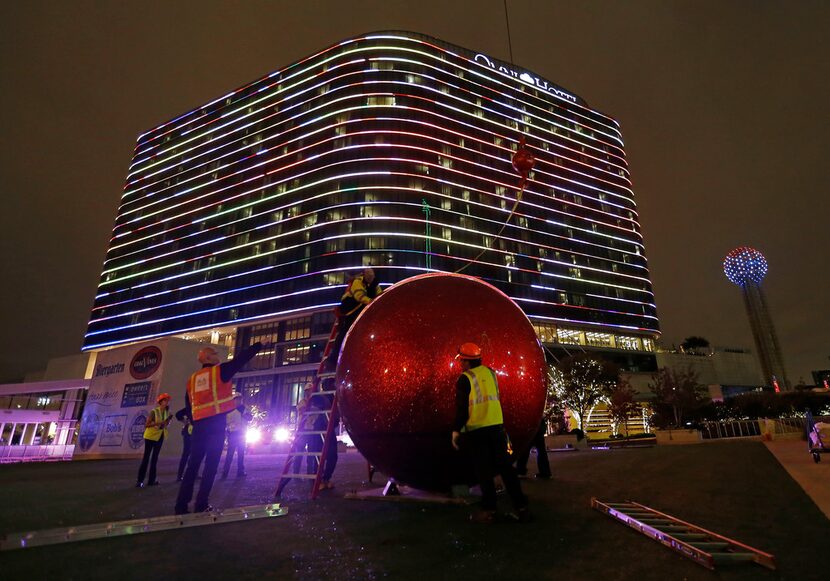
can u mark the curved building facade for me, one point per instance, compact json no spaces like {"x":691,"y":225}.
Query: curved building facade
{"x":391,"y":150}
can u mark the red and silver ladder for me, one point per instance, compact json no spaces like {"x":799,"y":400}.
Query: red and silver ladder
{"x":326,"y":435}
{"x":698,"y":544}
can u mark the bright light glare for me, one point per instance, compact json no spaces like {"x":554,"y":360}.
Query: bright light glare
{"x":253,"y":435}
{"x":281,"y":435}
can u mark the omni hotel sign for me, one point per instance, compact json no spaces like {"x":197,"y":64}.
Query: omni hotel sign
{"x":524,"y":77}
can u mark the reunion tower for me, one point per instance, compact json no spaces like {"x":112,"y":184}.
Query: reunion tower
{"x":746,"y":267}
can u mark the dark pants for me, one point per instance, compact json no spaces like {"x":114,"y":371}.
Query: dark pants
{"x":185,"y":454}
{"x":542,"y":463}
{"x":331,"y":459}
{"x":206,"y":444}
{"x":487,"y":448}
{"x":236,"y":442}
{"x":151,"y":454}
{"x":314,"y":443}
{"x":346,"y":322}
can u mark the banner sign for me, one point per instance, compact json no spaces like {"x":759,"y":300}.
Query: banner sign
{"x":122,"y":391}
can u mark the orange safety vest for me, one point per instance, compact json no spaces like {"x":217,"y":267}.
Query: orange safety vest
{"x":209,"y":395}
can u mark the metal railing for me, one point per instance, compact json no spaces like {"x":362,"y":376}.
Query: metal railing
{"x":45,"y":453}
{"x":751,"y":428}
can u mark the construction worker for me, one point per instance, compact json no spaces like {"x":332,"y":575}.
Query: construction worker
{"x":360,"y":291}
{"x":309,"y":419}
{"x":155,"y":431}
{"x":209,"y":398}
{"x":237,"y":422}
{"x":478,"y":430}
{"x":187,"y":432}
{"x":542,"y":462}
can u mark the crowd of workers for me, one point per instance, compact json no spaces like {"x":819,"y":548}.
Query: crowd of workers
{"x":214,"y":412}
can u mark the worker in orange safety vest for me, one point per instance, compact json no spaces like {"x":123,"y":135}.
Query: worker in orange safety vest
{"x":209,"y":398}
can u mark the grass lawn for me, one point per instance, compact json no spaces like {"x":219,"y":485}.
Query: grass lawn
{"x":734,"y":488}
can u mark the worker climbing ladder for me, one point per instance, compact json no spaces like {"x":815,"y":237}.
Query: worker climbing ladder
{"x":323,"y":385}
{"x":704,"y":547}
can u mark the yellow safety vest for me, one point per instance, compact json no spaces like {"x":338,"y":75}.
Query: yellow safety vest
{"x":155,"y":433}
{"x":485,"y":408}
{"x":357,"y":290}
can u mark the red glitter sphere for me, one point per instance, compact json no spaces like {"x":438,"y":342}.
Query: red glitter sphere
{"x":397,"y":372}
{"x":523,"y":159}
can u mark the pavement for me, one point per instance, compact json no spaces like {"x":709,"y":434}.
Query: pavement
{"x":813,"y":477}
{"x":737,"y":489}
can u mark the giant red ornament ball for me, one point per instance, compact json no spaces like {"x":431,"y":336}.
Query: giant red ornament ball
{"x":397,"y":371}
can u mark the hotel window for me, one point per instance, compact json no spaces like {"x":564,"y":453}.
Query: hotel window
{"x":628,"y":343}
{"x":575,"y":272}
{"x":297,"y":329}
{"x":563,"y":297}
{"x":598,"y":339}
{"x":334,"y":278}
{"x":381,"y":100}
{"x":570,"y":337}
{"x":295,"y":354}
{"x":545,"y":332}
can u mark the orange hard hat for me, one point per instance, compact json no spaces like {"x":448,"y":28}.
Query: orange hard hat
{"x":163,"y":396}
{"x":469,"y":351}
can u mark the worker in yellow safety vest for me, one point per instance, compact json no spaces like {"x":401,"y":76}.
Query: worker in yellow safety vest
{"x":155,"y":431}
{"x":209,"y":399}
{"x":360,"y":292}
{"x":478,"y":430}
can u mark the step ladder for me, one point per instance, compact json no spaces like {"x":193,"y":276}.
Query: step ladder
{"x":698,"y":544}
{"x":321,"y":378}
{"x":121,"y":528}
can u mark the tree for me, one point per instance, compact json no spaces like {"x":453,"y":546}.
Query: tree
{"x":678,"y":391}
{"x":581,"y":381}
{"x":621,"y":404}
{"x":694,"y":344}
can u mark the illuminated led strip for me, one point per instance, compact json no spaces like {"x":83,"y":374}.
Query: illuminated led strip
{"x":405,"y":235}
{"x":341,"y":55}
{"x":315,"y":157}
{"x":385,"y":132}
{"x":318,"y":289}
{"x":190,"y":300}
{"x":328,"y":104}
{"x":363,"y":160}
{"x":250,"y":104}
{"x":576,"y":241}
{"x":417,"y":162}
{"x":325,"y":194}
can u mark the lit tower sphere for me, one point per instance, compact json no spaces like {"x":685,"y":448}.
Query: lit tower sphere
{"x":747,"y":267}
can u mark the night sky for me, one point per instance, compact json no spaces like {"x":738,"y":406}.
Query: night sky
{"x":723,"y":107}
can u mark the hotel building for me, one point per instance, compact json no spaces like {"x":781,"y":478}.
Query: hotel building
{"x":244,"y":218}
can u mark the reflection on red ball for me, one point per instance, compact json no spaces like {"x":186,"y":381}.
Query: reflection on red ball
{"x":397,"y":371}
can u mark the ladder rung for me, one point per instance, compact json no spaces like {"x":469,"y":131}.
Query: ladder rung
{"x":733,"y":557}
{"x":315,"y":412}
{"x":326,"y":392}
{"x":691,"y":537}
{"x":710,"y":545}
{"x":306,"y":454}
{"x":326,"y":375}
{"x":300,"y":476}
{"x":671,"y":528}
{"x":310,"y":433}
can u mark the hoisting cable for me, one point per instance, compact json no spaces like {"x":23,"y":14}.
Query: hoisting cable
{"x":523,"y":161}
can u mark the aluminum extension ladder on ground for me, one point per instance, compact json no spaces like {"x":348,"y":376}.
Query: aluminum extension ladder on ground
{"x":136,"y":526}
{"x":698,"y":544}
{"x":322,"y":379}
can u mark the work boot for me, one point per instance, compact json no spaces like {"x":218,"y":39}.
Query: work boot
{"x":139,"y":485}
